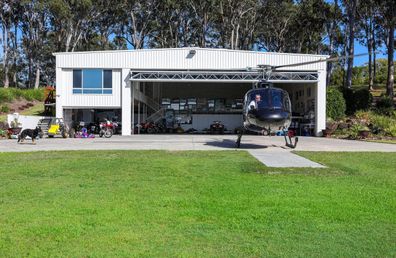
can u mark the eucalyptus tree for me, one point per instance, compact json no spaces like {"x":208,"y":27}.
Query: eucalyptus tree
{"x":71,"y":20}
{"x":203,"y":19}
{"x":367,"y":28}
{"x":34,"y":23}
{"x":173,"y":25}
{"x":234,"y":16}
{"x":136,"y":21}
{"x":308,"y":27}
{"x":387,"y":10}
{"x":333,"y":33}
{"x":351,"y":11}
{"x":6,"y":17}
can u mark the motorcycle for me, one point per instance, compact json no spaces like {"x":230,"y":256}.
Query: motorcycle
{"x":107,"y":128}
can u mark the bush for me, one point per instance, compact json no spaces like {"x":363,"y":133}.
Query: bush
{"x":385,"y":105}
{"x":384,"y":125}
{"x":33,"y":94}
{"x":4,"y":109}
{"x":335,"y":107}
{"x":16,"y":93}
{"x":6,"y":95}
{"x":357,"y":99}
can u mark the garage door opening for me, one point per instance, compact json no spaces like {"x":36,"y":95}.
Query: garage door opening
{"x":194,"y":106}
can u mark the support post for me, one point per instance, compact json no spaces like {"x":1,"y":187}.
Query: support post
{"x":320,"y":110}
{"x":59,"y":90}
{"x":126,"y":103}
{"x":138,"y":118}
{"x":135,"y":86}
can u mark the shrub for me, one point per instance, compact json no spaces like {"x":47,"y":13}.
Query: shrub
{"x":383,"y":125}
{"x":385,"y":105}
{"x":16,"y":93}
{"x":8,"y":95}
{"x":33,"y":94}
{"x":357,"y":99}
{"x":5,"y":95}
{"x":335,"y":107}
{"x":4,"y":109}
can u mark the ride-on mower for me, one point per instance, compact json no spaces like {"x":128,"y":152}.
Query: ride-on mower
{"x":58,"y":127}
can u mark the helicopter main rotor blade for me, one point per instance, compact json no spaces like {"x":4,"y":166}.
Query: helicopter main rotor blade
{"x":331,"y":59}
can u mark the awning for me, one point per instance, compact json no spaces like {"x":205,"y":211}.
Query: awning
{"x":229,"y":76}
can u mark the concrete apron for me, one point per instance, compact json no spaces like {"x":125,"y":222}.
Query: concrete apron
{"x":283,"y":159}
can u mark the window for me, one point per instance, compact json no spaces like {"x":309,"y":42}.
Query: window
{"x":107,"y":81}
{"x":92,"y":81}
{"x":77,"y":75}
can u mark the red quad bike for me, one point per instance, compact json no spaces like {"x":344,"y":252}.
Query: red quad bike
{"x":217,"y":127}
{"x":107,"y":128}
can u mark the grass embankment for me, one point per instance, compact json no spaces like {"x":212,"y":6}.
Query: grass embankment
{"x":10,"y":94}
{"x":218,"y":204}
{"x":14,"y":100}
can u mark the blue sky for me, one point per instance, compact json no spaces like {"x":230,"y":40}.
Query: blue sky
{"x":358,"y":61}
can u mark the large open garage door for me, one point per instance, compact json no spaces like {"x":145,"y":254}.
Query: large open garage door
{"x":198,"y":98}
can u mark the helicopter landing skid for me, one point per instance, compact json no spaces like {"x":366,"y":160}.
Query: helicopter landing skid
{"x":289,"y":141}
{"x":238,"y":141}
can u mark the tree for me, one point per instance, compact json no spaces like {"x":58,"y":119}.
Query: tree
{"x":6,"y":14}
{"x":275,"y":20}
{"x":233,"y":16}
{"x":333,"y":31}
{"x":137,"y":21}
{"x":203,"y":20}
{"x":387,"y":9}
{"x":351,"y":8}
{"x":71,"y":21}
{"x":367,"y":11}
{"x":34,"y":30}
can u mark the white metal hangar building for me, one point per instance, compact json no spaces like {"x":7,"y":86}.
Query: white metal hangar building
{"x":191,"y":87}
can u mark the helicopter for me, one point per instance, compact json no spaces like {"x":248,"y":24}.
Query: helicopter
{"x":267,"y":108}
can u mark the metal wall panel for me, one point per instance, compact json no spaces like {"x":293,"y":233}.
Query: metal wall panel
{"x":87,"y":100}
{"x":178,"y":59}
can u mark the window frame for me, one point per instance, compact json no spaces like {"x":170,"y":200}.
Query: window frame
{"x":103,"y":91}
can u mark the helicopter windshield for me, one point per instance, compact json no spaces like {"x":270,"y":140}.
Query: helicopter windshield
{"x":276,"y":99}
{"x":259,"y":100}
{"x":266,"y":99}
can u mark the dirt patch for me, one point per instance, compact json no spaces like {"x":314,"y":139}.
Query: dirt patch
{"x":20,"y":105}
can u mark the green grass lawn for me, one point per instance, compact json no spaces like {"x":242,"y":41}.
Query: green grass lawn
{"x":200,"y":204}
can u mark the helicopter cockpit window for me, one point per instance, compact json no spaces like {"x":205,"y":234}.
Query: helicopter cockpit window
{"x":276,"y":99}
{"x":258,"y":101}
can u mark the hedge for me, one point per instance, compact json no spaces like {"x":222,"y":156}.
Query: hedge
{"x":336,"y":106}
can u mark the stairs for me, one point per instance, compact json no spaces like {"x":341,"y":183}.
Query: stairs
{"x":44,"y":125}
{"x":151,"y":103}
{"x":157,"y":116}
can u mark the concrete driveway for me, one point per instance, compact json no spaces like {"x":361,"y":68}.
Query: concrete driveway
{"x":193,"y":142}
{"x":269,"y":150}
